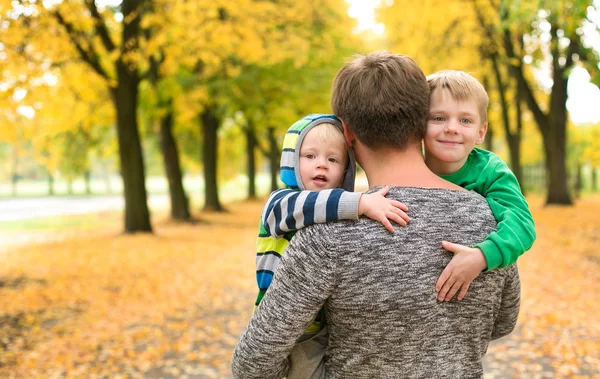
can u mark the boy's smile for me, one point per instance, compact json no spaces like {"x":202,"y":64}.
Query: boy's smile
{"x":454,"y":127}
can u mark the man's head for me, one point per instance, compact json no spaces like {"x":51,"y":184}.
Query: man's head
{"x":383,"y":99}
{"x":457,"y":120}
{"x":323,"y":158}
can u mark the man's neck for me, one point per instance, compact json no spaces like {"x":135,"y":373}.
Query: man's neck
{"x":406,"y":168}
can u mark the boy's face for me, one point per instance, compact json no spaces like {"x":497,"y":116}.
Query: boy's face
{"x":322,"y":164}
{"x":453,"y":129}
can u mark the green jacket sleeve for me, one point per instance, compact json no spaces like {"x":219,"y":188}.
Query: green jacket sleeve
{"x":516,"y":229}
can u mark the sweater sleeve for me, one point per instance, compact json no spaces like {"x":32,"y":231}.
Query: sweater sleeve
{"x":506,"y":318}
{"x":302,"y":283}
{"x":516,"y":230}
{"x":288,"y":210}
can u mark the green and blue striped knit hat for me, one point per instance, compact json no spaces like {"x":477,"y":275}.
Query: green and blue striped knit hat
{"x":290,"y":156}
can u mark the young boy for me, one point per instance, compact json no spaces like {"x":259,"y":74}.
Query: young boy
{"x":456,"y":122}
{"x":315,"y":163}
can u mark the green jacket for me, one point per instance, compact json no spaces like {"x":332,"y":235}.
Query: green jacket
{"x":485,"y":173}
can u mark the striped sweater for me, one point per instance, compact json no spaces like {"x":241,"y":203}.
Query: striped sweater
{"x":289,"y":210}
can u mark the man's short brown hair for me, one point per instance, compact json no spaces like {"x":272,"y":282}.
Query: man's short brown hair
{"x":383,"y":98}
{"x":461,"y":86}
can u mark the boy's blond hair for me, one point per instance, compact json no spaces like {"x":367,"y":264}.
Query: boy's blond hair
{"x":461,"y":86}
{"x":332,"y":135}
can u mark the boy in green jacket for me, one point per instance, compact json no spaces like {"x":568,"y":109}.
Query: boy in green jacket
{"x":456,"y":122}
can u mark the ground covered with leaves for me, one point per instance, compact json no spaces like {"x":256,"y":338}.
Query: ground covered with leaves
{"x":172,"y":305}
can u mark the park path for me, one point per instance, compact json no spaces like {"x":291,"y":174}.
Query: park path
{"x":13,"y":209}
{"x":20,"y":209}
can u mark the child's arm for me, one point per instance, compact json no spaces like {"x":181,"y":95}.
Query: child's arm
{"x":287,"y":210}
{"x":515,"y":234}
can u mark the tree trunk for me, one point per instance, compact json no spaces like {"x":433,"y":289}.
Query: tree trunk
{"x":70,"y":186}
{"x":553,"y":128}
{"x":556,"y":179}
{"x":125,"y":98}
{"x":50,"y":184}
{"x":578,"y":185}
{"x":107,"y":181}
{"x":15,"y":171}
{"x":515,"y":157}
{"x":514,"y":147}
{"x":489,"y":137}
{"x":556,"y":141}
{"x":274,"y":158}
{"x":250,"y":157}
{"x":124,"y":95}
{"x":513,"y":138}
{"x":594,"y":179}
{"x":180,"y":209}
{"x":209,"y":159}
{"x":553,"y":124}
{"x":88,"y":185}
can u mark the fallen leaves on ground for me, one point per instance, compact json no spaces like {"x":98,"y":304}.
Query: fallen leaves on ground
{"x":558,"y":332}
{"x":170,"y":305}
{"x":110,"y":305}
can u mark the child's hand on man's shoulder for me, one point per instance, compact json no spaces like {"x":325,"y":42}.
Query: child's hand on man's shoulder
{"x":379,"y":208}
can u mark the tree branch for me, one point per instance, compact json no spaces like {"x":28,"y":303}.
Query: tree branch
{"x":515,"y":69}
{"x":89,"y":56}
{"x":502,"y":91}
{"x":574,"y":48}
{"x":100,"y":26}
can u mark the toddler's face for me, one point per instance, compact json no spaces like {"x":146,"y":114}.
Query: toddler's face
{"x":454,"y":127}
{"x":322,"y":164}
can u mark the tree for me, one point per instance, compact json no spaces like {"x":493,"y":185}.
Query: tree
{"x":504,"y":85}
{"x":539,"y":32}
{"x":83,"y":30}
{"x":228,"y":39}
{"x":164,"y":114}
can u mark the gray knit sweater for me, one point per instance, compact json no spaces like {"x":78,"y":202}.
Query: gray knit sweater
{"x":378,"y":292}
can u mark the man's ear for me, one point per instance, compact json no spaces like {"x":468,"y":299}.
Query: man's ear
{"x":481,"y":133}
{"x":348,"y":134}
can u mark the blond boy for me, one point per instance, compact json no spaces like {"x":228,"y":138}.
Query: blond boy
{"x":456,"y":122}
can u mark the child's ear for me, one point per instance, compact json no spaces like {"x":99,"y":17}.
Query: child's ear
{"x":348,"y":134}
{"x":481,"y":133}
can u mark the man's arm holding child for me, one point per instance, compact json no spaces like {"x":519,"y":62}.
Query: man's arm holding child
{"x":302,"y":283}
{"x":287,"y":210}
{"x":506,"y":318}
{"x":515,"y":234}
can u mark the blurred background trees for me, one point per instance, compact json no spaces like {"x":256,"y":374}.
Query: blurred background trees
{"x":94,"y":90}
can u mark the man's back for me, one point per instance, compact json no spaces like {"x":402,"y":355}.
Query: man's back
{"x":384,"y":319}
{"x":378,"y":292}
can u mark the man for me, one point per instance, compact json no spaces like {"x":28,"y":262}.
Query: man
{"x":377,"y":288}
